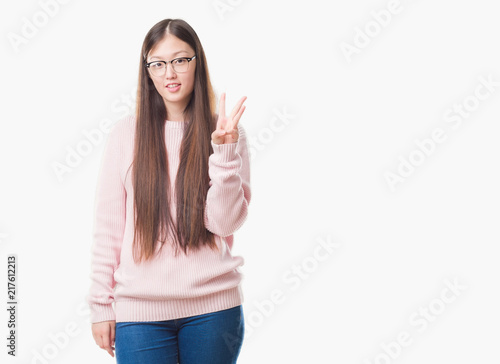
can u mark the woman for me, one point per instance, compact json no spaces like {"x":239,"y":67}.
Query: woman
{"x":173,"y":187}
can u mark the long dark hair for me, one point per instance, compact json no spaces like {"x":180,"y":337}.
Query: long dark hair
{"x":151,"y":182}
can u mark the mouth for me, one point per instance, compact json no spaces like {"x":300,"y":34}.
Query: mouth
{"x":173,"y":87}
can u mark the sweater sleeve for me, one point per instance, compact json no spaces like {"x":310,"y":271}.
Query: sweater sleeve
{"x":109,"y":223}
{"x":229,"y":192}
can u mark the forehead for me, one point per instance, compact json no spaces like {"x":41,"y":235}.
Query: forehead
{"x":170,"y":47}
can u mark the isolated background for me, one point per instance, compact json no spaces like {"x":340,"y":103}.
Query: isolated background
{"x":321,"y":177}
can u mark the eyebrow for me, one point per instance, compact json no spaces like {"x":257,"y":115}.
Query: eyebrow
{"x":173,"y":54}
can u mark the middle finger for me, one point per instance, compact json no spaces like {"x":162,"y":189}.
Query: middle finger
{"x":238,"y":106}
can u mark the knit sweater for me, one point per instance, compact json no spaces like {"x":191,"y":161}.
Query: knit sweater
{"x":167,"y":287}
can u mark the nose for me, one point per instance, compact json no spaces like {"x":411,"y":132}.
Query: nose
{"x":169,"y":72}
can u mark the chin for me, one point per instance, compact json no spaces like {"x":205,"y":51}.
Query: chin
{"x":169,"y":98}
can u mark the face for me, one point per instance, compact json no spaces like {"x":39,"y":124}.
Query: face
{"x":176,"y":98}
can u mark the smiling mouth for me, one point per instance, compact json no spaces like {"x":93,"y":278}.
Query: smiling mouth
{"x":173,"y":85}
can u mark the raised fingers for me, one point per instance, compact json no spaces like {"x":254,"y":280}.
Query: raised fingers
{"x":233,"y":135}
{"x":237,"y":110}
{"x":222,"y":106}
{"x":238,"y":116}
{"x":218,"y":136}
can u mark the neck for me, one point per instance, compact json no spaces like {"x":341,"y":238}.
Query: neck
{"x":175,"y":112}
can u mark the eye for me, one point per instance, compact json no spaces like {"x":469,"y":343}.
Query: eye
{"x":156,"y":65}
{"x":180,"y":61}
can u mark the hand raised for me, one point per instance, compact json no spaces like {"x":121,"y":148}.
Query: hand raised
{"x":226,"y":130}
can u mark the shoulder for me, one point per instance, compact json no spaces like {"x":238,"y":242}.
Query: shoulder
{"x":122,"y":131}
{"x":123,"y":127}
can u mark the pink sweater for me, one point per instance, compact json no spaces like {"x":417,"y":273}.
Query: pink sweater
{"x":167,"y":287}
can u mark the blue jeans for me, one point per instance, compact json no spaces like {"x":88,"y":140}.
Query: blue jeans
{"x":211,"y":338}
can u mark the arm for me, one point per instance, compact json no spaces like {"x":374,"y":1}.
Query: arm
{"x":229,"y":193}
{"x":108,"y":231}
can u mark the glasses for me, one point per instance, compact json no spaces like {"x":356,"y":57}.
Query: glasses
{"x":179,"y":65}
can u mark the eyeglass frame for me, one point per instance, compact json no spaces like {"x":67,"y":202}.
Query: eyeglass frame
{"x":189,"y":59}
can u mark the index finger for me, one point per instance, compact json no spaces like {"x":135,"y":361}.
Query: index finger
{"x":222,"y":105}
